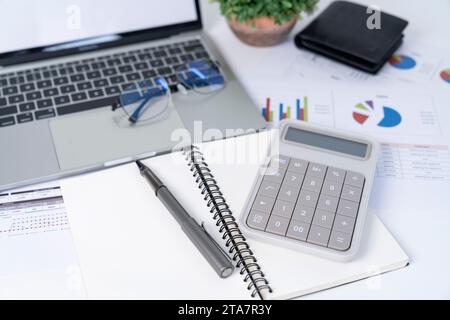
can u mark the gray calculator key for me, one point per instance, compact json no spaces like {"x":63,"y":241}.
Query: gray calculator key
{"x":277,"y":225}
{"x":283,"y":209}
{"x":332,"y":188}
{"x":281,"y":161}
{"x":274,"y":175}
{"x":351,"y":193}
{"x":344,"y":224}
{"x":318,"y":235}
{"x":303,"y":214}
{"x":298,"y":230}
{"x":308,"y":198}
{"x":354,"y":179}
{"x":348,"y":208}
{"x":293,"y":179}
{"x":298,"y":166}
{"x":340,"y":241}
{"x":335,"y":174}
{"x":316,"y":170}
{"x":257,"y":220}
{"x":288,"y":193}
{"x":269,"y":189}
{"x":263,"y":204}
{"x":328,"y":203}
{"x":312,"y":183}
{"x":323,"y":219}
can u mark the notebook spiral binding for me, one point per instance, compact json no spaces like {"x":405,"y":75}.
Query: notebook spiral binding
{"x":236,"y":243}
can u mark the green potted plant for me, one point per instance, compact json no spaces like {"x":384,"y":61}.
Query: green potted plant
{"x":264,"y":22}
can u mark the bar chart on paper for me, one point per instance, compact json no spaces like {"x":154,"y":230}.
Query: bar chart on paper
{"x":277,"y":104}
{"x":282,"y":111}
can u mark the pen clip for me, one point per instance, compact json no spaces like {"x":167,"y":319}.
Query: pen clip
{"x":217,"y":245}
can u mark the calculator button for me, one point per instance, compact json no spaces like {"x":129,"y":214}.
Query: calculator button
{"x":280,"y":161}
{"x":351,"y":193}
{"x":303,"y":214}
{"x":335,"y":174}
{"x":318,"y":235}
{"x":269,"y":189}
{"x":332,"y":188}
{"x":257,"y":220}
{"x":316,"y":170}
{"x":293,"y":179}
{"x":274,"y":175}
{"x":298,"y":166}
{"x":339,"y":241}
{"x":344,"y":224}
{"x":308,"y":198}
{"x":328,"y":203}
{"x":263,"y":204}
{"x":312,"y":183}
{"x":323,"y":219}
{"x":298,"y":230}
{"x":354,"y":179}
{"x":277,"y":225}
{"x":348,"y":208}
{"x":288,"y":193}
{"x":283,"y":209}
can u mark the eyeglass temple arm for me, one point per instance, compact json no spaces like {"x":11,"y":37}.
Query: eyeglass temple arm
{"x":137,"y":113}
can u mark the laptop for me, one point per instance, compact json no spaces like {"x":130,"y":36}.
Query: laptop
{"x":64,"y":63}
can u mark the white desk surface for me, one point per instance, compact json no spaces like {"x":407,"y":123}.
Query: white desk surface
{"x":428,"y":276}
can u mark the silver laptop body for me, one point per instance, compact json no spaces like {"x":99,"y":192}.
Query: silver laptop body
{"x":48,"y":126}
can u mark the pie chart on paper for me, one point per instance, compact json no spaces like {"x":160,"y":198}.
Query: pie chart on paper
{"x":445,"y":75}
{"x":363,"y":111}
{"x":402,"y":62}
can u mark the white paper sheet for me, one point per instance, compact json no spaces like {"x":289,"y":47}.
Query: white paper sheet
{"x":130,"y":247}
{"x":37,"y":252}
{"x":289,"y":64}
{"x":333,"y":90}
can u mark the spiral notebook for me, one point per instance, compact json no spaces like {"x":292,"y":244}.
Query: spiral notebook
{"x":233,"y":241}
{"x":130,"y":247}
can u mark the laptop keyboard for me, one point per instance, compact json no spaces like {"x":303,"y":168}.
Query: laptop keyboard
{"x":76,"y":86}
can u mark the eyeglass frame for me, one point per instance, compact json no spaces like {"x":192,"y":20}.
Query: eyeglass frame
{"x":117,"y":105}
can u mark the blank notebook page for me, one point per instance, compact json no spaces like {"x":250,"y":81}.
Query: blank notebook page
{"x":130,"y":247}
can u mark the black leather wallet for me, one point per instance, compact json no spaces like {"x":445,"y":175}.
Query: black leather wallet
{"x":341,"y":32}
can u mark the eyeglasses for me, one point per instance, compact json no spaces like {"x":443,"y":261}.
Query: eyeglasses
{"x":201,"y":76}
{"x":148,"y":100}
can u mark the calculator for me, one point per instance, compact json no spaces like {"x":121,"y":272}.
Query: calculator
{"x":312,"y":192}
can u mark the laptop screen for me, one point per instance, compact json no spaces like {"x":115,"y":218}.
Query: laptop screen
{"x":27,"y":24}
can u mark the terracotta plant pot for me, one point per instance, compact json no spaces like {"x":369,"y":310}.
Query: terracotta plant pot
{"x":261,"y":32}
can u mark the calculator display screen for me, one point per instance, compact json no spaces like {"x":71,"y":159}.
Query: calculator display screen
{"x":323,"y":141}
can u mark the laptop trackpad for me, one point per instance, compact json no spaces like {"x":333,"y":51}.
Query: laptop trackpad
{"x":90,"y":139}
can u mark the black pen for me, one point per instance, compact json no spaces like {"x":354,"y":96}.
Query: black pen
{"x":210,"y":250}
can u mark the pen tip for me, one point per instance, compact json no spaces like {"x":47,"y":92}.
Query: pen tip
{"x":140,"y":165}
